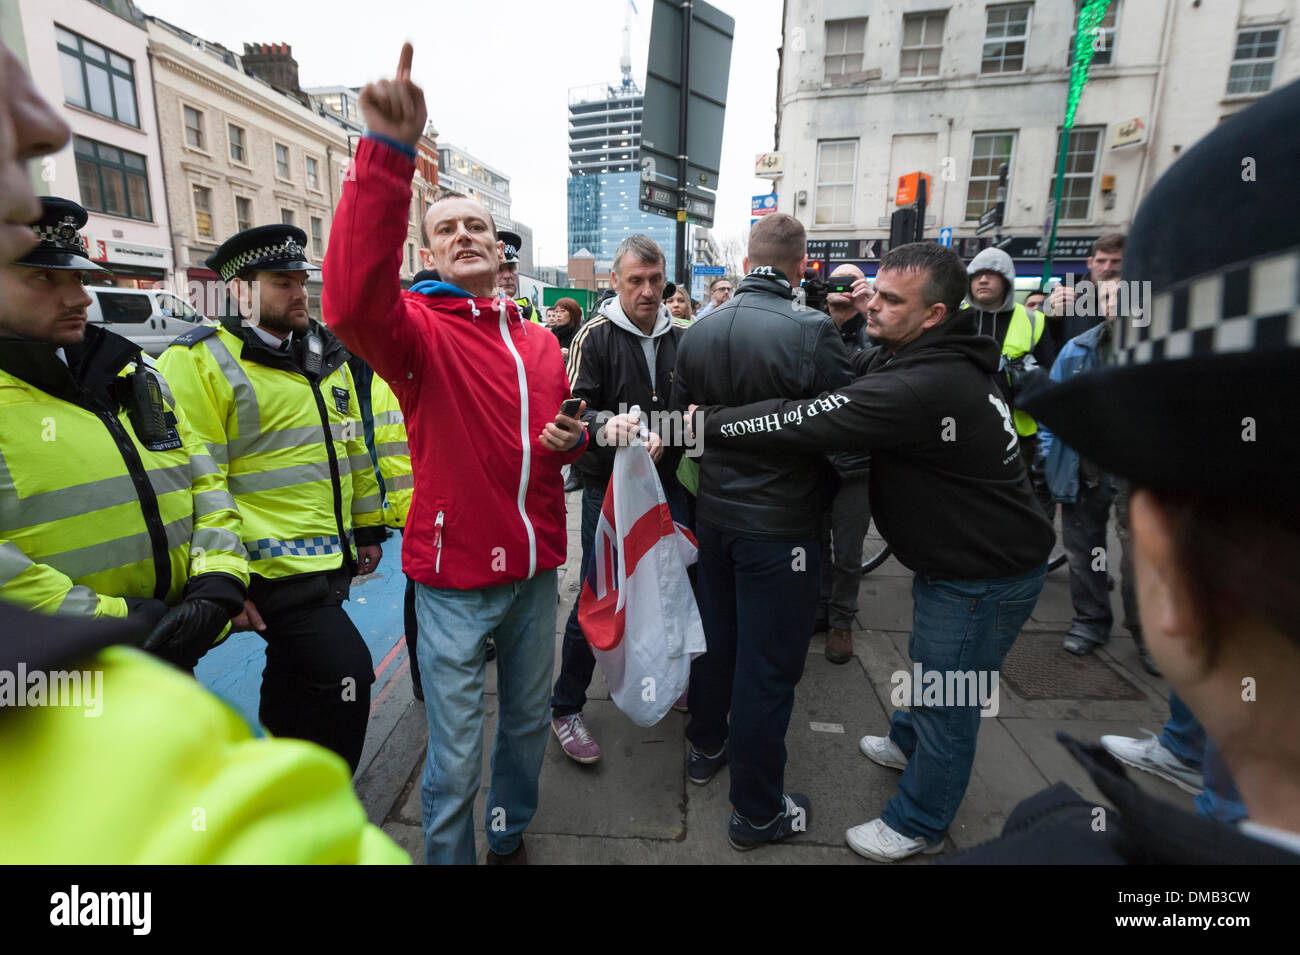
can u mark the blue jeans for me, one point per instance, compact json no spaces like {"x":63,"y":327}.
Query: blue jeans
{"x":454,"y":625}
{"x":957,"y":626}
{"x":1184,"y":736}
{"x":757,"y":601}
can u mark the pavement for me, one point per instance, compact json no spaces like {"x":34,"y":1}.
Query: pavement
{"x":636,"y":806}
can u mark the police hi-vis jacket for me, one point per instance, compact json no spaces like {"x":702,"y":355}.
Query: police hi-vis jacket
{"x":91,"y":514}
{"x":392,"y":452}
{"x":288,"y":438}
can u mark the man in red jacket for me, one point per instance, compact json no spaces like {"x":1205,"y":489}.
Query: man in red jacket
{"x":480,"y":390}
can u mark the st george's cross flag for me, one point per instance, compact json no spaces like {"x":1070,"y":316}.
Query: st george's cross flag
{"x":636,"y":608}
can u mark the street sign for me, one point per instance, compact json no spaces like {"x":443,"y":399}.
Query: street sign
{"x":763,"y":205}
{"x":700,"y":268}
{"x":769,"y":165}
{"x":709,"y":67}
{"x":988,"y":221}
{"x":907,"y":187}
{"x":945,"y":237}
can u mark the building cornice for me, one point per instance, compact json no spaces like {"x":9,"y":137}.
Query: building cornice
{"x":284,"y":112}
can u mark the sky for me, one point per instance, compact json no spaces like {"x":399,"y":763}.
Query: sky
{"x":498,"y":86}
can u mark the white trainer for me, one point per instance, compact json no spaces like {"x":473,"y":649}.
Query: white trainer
{"x":875,"y":840}
{"x":883,"y":750}
{"x":1150,"y":756}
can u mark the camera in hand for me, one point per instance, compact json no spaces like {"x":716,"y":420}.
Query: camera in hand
{"x":816,"y":289}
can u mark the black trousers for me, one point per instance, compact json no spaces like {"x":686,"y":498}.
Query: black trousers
{"x":411,"y":628}
{"x":316,"y":685}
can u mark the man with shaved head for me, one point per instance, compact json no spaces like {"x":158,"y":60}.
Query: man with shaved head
{"x":850,"y":515}
{"x":758,"y":523}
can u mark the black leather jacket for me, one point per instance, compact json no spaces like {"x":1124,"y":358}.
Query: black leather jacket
{"x":854,"y":333}
{"x":761,"y":344}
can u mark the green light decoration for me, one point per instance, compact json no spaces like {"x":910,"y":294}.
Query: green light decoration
{"x":1091,"y":13}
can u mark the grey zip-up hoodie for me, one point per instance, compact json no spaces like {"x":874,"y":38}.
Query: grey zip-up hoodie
{"x":986,"y":320}
{"x":613,"y":310}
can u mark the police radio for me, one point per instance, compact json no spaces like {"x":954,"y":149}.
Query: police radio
{"x":312,"y":360}
{"x":145,"y":407}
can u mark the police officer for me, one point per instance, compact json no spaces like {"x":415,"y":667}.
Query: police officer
{"x":269,"y":391}
{"x":508,"y":277}
{"x":110,"y":506}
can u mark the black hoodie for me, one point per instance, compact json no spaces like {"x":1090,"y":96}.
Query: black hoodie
{"x":948,"y":486}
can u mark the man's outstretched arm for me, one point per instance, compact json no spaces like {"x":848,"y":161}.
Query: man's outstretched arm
{"x":362,"y":301}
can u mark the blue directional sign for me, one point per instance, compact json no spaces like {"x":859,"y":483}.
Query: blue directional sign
{"x":945,"y":237}
{"x":762,"y":205}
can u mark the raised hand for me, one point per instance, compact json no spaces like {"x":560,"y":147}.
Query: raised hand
{"x":395,"y":108}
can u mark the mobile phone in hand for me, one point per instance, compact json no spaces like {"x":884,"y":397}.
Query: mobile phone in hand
{"x":839,"y":286}
{"x":571,"y":407}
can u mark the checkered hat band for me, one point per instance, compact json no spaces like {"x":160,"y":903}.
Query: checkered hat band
{"x":267,"y":255}
{"x":1246,"y":307}
{"x":56,"y":235}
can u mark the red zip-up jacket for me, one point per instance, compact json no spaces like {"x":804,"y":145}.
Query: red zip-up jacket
{"x":476,"y":384}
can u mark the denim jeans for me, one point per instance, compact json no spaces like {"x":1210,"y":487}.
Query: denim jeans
{"x":577,"y":663}
{"x":1184,"y":736}
{"x":957,"y":626}
{"x":454,"y":625}
{"x":757,"y":600}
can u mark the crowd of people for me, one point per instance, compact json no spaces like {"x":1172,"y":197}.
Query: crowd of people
{"x":242,"y":481}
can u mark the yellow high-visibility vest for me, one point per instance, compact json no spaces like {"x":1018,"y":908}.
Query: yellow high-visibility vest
{"x":90,"y":514}
{"x":292,"y":447}
{"x":167,"y":774}
{"x":392,"y":451}
{"x":1023,"y":333}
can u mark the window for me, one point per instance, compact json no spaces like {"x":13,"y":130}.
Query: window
{"x":410,"y":258}
{"x":846,"y":41}
{"x":112,"y":180}
{"x":922,"y":44}
{"x":238,"y":153}
{"x":1005,"y":33}
{"x":203,"y":211}
{"x":313,"y":174}
{"x":1103,"y":38}
{"x":123,"y":308}
{"x":173,"y":307}
{"x":988,"y":152}
{"x":835,"y":165}
{"x":282,"y":160}
{"x":243,"y":213}
{"x":286,"y":217}
{"x":96,"y":79}
{"x":317,"y":243}
{"x":1081,"y":160}
{"x":1253,"y":61}
{"x":194,"y":128}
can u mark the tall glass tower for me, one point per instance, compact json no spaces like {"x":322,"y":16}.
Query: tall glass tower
{"x":604,"y":173}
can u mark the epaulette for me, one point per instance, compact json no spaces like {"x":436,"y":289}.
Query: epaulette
{"x":195,"y":335}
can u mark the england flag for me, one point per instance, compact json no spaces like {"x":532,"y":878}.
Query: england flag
{"x":637,"y":609}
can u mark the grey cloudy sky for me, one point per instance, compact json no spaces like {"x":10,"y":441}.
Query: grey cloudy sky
{"x":496,"y":78}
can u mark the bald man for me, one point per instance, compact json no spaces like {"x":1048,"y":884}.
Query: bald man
{"x":850,"y":514}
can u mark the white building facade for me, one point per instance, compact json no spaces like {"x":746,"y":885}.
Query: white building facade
{"x":871,"y":92}
{"x":91,"y":62}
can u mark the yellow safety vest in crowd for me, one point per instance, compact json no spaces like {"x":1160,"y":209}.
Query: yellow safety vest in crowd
{"x":528,"y":311}
{"x":90,"y":514}
{"x":394,"y":456}
{"x":1023,"y":333}
{"x":167,"y":774}
{"x":292,"y":448}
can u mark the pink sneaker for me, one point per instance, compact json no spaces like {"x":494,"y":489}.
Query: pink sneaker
{"x":680,"y":706}
{"x":575,"y":739}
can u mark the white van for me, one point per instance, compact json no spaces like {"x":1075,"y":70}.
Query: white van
{"x":152,"y":318}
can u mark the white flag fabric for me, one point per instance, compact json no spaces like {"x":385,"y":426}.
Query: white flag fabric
{"x":637,"y":609}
